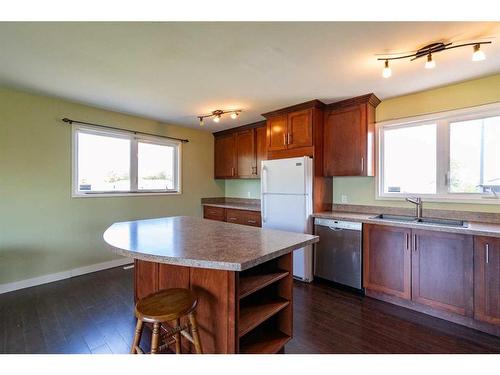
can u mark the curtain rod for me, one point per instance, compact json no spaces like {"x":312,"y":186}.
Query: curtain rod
{"x":69,"y":121}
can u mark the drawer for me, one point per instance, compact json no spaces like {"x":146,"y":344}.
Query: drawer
{"x":235,"y":216}
{"x":243,"y":217}
{"x":214,"y":213}
{"x":253,"y":218}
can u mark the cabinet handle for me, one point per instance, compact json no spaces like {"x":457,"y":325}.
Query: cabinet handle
{"x":487,"y":253}
{"x":415,"y":246}
{"x":232,"y":171}
{"x":231,"y":218}
{"x":289,"y":138}
{"x":407,"y":237}
{"x":251,"y":221}
{"x":362,"y":165}
{"x":284,"y":138}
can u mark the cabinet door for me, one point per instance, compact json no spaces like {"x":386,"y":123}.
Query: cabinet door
{"x":260,"y":148}
{"x":225,"y":156}
{"x":276,"y":133}
{"x":387,"y":259}
{"x":300,"y":129}
{"x":442,"y":266}
{"x":145,"y":278}
{"x":235,"y":216}
{"x":345,"y":137}
{"x":487,"y":279}
{"x":245,"y":153}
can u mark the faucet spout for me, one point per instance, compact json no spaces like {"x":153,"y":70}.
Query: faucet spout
{"x":417,"y":201}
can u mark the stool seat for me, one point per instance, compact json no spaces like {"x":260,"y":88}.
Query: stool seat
{"x":168,"y":307}
{"x":165,"y":305}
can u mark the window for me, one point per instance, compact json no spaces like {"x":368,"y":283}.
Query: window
{"x":120,"y":163}
{"x":448,"y":156}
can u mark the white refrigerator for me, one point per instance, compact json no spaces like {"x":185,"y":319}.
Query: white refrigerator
{"x":286,"y":202}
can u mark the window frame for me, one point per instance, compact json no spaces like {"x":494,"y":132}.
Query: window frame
{"x":442,"y":121}
{"x":134,"y":140}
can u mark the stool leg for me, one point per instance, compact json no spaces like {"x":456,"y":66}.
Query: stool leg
{"x":155,"y":338}
{"x":178,"y":349}
{"x":137,"y":336}
{"x":194,"y":333}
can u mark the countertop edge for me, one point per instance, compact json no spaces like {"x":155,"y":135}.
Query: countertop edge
{"x":234,"y":206}
{"x":368,"y":219}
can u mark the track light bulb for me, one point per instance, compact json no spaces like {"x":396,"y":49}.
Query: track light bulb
{"x":234,"y":115}
{"x":201,"y":121}
{"x":217,"y":118}
{"x":430,"y":63}
{"x":478,"y":55}
{"x":387,"y":72}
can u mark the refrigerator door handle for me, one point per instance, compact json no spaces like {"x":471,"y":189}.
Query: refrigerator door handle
{"x":264,"y":179}
{"x":263,"y":209}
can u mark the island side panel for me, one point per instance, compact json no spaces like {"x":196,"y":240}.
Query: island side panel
{"x":215,"y":289}
{"x":216,"y":310}
{"x":285,"y":290}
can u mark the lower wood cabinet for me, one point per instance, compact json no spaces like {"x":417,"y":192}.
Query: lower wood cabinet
{"x":387,"y":260}
{"x":487,"y":279}
{"x":230,"y":215}
{"x":442,"y":271}
{"x":430,"y":268}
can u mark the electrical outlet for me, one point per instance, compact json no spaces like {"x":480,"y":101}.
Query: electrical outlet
{"x":248,"y":194}
{"x":343,"y":198}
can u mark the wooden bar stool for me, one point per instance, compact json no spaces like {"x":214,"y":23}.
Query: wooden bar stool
{"x":167,"y":305}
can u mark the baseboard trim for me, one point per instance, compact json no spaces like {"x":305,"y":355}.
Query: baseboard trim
{"x":45,"y":279}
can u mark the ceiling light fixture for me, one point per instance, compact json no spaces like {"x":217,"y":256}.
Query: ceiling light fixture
{"x":430,"y":49}
{"x":478,"y":55}
{"x":430,"y":63}
{"x":217,"y":115}
{"x":387,"y":72}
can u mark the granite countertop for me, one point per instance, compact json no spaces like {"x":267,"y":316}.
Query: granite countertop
{"x":474,"y":227}
{"x":237,"y":206}
{"x":196,"y":242}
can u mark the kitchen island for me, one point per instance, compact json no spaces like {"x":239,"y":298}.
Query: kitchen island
{"x":242,"y":276}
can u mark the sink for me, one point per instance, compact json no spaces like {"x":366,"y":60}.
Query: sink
{"x":424,"y":220}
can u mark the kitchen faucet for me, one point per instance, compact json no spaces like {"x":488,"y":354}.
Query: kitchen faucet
{"x":418,"y":205}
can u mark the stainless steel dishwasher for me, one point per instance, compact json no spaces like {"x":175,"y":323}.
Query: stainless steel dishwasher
{"x":338,"y":253}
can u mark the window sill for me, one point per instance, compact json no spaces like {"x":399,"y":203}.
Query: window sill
{"x":123,"y":194}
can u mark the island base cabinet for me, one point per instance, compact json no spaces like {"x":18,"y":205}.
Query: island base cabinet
{"x":237,"y":312}
{"x":487,"y":279}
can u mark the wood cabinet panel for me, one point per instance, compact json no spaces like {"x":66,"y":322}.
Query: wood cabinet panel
{"x":442,"y":267}
{"x":225,"y":156}
{"x":487,"y":279}
{"x":345,"y":137}
{"x":214,"y":213}
{"x":145,"y":279}
{"x":277,"y":132}
{"x":387,"y":260}
{"x":300,"y":129}
{"x":260,"y":147}
{"x":245,"y":153}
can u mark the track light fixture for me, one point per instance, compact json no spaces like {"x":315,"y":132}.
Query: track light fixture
{"x":429,"y":50}
{"x":217,"y":115}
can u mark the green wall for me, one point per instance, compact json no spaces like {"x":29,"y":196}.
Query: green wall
{"x":361,"y":190}
{"x":42,"y":229}
{"x":243,"y":189}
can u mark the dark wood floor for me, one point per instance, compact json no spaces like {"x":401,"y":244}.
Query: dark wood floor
{"x":94,"y":314}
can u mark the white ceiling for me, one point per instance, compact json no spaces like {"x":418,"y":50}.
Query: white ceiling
{"x":173,"y":72}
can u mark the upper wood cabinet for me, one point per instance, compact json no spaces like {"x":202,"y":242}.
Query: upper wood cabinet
{"x":300,"y":129}
{"x":245,"y":153}
{"x":277,"y":129}
{"x":487,"y":279}
{"x":387,"y":260}
{"x":349,"y":136}
{"x":225,"y":156}
{"x":239,"y":151}
{"x":260,"y":147}
{"x":295,"y":130}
